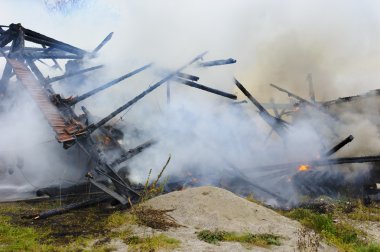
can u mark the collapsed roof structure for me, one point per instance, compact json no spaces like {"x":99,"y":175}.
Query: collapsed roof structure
{"x":94,"y":138}
{"x":97,"y":138}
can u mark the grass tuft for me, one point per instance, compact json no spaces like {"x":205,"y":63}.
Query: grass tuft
{"x":151,"y":243}
{"x":341,"y":234}
{"x":261,"y":240}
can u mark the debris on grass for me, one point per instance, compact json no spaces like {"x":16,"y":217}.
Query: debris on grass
{"x":155,"y":218}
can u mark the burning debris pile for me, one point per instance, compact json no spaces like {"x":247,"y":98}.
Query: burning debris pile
{"x":98,"y":142}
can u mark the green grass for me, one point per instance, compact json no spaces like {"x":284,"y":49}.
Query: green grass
{"x":365,"y":213}
{"x":151,"y":243}
{"x":262,"y":240}
{"x":344,"y":236}
{"x":17,"y":238}
{"x":76,"y":230}
{"x":120,"y":218}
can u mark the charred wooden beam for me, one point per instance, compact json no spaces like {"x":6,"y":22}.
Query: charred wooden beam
{"x":293,"y":95}
{"x":132,"y":152}
{"x":188,"y":76}
{"x":205,"y":88}
{"x":346,"y":160}
{"x":50,"y":55}
{"x":216,"y":62}
{"x":309,"y":78}
{"x":56,"y":65}
{"x":339,"y":146}
{"x":274,"y":108}
{"x":277,"y":124}
{"x":93,"y":127}
{"x":64,"y":209}
{"x":7,"y":75}
{"x":68,"y":75}
{"x":110,"y":192}
{"x":39,"y":38}
{"x":306,"y":102}
{"x":372,"y":93}
{"x":37,"y":72}
{"x":26,"y":49}
{"x":281,"y":168}
{"x":105,"y":41}
{"x":107,"y":85}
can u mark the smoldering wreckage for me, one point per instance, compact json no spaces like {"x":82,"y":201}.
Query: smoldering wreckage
{"x":97,"y":140}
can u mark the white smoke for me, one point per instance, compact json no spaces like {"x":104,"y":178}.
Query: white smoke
{"x":273,"y":41}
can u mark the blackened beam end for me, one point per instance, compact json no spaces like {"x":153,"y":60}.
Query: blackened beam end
{"x":339,"y":146}
{"x":217,"y":62}
{"x":105,"y":41}
{"x":205,"y":88}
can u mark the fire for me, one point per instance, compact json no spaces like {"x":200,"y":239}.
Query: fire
{"x":303,"y":168}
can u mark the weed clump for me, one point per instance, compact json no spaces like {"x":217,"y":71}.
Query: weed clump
{"x":262,"y":240}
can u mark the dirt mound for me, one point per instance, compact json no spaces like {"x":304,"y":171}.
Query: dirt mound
{"x":214,"y":208}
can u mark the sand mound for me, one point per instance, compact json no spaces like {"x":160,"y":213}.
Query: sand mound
{"x":214,"y":208}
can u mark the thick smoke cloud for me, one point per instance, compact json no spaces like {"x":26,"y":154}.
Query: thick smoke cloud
{"x":274,"y":42}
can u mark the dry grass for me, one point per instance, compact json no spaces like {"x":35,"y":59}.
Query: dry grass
{"x":308,"y":240}
{"x":154,"y":218}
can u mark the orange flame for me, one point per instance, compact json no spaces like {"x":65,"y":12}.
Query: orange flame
{"x":303,"y":168}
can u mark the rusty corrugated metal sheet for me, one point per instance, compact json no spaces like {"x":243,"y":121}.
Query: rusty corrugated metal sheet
{"x":40,"y":96}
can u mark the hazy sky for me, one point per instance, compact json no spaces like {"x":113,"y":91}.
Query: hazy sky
{"x":273,"y":41}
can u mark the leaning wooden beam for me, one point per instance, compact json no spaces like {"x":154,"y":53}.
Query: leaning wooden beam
{"x":321,"y":162}
{"x":132,"y":152}
{"x":277,"y":124}
{"x":39,"y":38}
{"x":216,"y":62}
{"x":294,"y":96}
{"x":339,"y":146}
{"x":7,"y":75}
{"x":205,"y":88}
{"x":110,"y":192}
{"x":70,"y":207}
{"x":105,"y":41}
{"x":188,"y":76}
{"x":84,"y":96}
{"x":309,"y":78}
{"x":68,"y":75}
{"x":51,"y":55}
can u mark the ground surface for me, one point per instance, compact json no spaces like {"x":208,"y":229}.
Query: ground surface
{"x":349,"y":225}
{"x":214,"y":208}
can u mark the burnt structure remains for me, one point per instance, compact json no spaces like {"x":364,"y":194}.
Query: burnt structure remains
{"x":96,"y":138}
